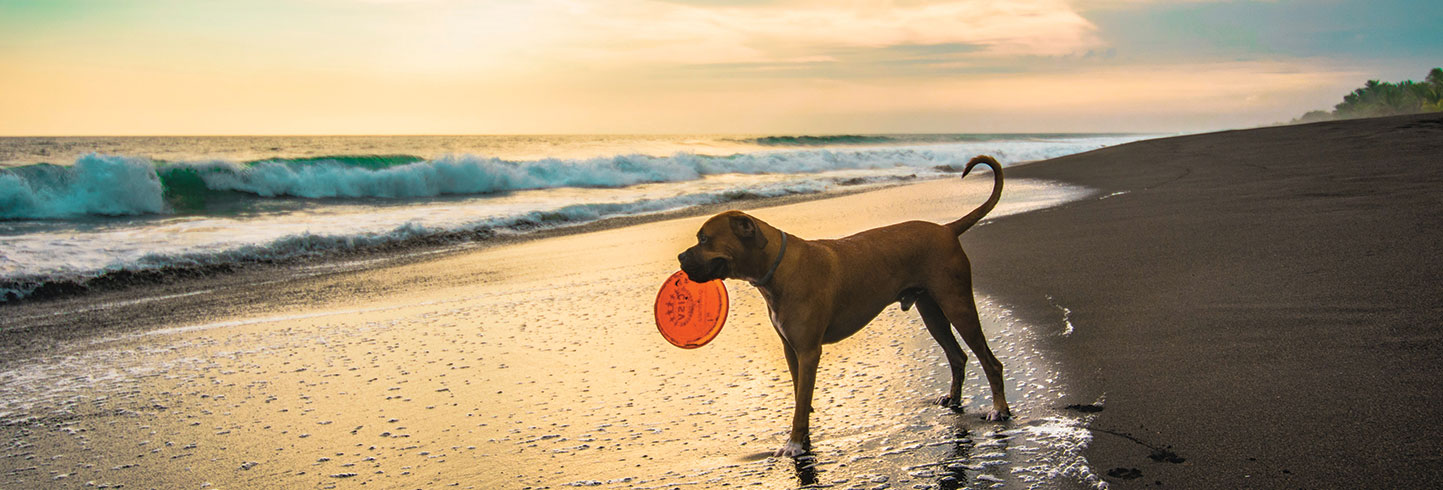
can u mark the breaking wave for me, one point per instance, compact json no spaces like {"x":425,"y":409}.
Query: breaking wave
{"x":107,"y":185}
{"x":94,"y":185}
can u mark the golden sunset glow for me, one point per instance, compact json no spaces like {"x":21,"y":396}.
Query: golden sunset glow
{"x":618,"y":66}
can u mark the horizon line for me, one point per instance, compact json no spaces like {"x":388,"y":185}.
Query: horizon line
{"x":778,"y":133}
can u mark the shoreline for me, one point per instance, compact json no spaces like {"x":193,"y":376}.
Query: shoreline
{"x":121,"y":304}
{"x":406,"y":250}
{"x":125,"y":286}
{"x":395,"y":253}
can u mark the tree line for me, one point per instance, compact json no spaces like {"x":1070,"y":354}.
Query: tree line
{"x":1376,"y":98}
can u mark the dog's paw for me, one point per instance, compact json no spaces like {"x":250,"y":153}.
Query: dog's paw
{"x":949,"y":402}
{"x":791,"y":450}
{"x":997,"y":415}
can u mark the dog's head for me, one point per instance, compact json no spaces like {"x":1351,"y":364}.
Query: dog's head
{"x":729,"y":245}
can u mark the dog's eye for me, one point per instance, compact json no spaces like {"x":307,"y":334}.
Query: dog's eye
{"x":701,"y":238}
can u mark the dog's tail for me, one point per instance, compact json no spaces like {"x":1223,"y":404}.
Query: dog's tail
{"x":976,"y":215}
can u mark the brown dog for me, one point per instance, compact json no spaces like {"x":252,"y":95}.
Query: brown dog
{"x":822,"y":291}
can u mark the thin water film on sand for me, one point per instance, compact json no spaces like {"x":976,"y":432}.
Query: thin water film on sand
{"x":538,"y":366}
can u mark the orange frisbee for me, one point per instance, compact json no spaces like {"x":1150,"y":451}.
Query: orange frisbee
{"x":690,"y":314}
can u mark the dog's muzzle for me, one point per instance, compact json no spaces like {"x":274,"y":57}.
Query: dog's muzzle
{"x":699,"y":271}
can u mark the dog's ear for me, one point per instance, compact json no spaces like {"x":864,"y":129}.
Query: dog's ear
{"x":746,"y":230}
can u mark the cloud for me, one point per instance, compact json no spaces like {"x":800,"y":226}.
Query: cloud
{"x":667,"y":32}
{"x":1087,"y":5}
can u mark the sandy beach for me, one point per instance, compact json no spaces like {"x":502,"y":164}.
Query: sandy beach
{"x":531,"y":364}
{"x":1263,"y":303}
{"x":1242,"y":309}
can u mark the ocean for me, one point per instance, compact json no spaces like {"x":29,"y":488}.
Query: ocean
{"x":75,"y":209}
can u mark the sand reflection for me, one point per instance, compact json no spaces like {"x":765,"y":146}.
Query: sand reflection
{"x":534,"y":366}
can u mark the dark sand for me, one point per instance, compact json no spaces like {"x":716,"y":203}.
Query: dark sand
{"x":1243,"y":309}
{"x":1267,"y":304}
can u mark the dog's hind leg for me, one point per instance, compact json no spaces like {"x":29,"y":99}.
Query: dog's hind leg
{"x":962,"y":311}
{"x":941,"y":331}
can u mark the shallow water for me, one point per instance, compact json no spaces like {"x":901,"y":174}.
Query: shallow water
{"x":545,"y":372}
{"x":425,"y":396}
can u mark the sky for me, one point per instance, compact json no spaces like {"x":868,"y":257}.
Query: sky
{"x":197,"y":67}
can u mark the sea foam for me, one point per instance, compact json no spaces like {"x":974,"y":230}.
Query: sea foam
{"x":63,"y":259}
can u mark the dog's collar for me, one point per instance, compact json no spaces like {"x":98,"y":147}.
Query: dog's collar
{"x":775,"y":263}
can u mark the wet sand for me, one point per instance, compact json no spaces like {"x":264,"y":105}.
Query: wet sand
{"x":1264,"y":303}
{"x":531,"y":364}
{"x":1243,"y":309}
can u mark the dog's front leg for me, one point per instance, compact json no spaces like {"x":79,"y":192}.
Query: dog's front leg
{"x":791,"y":366}
{"x":804,"y":379}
